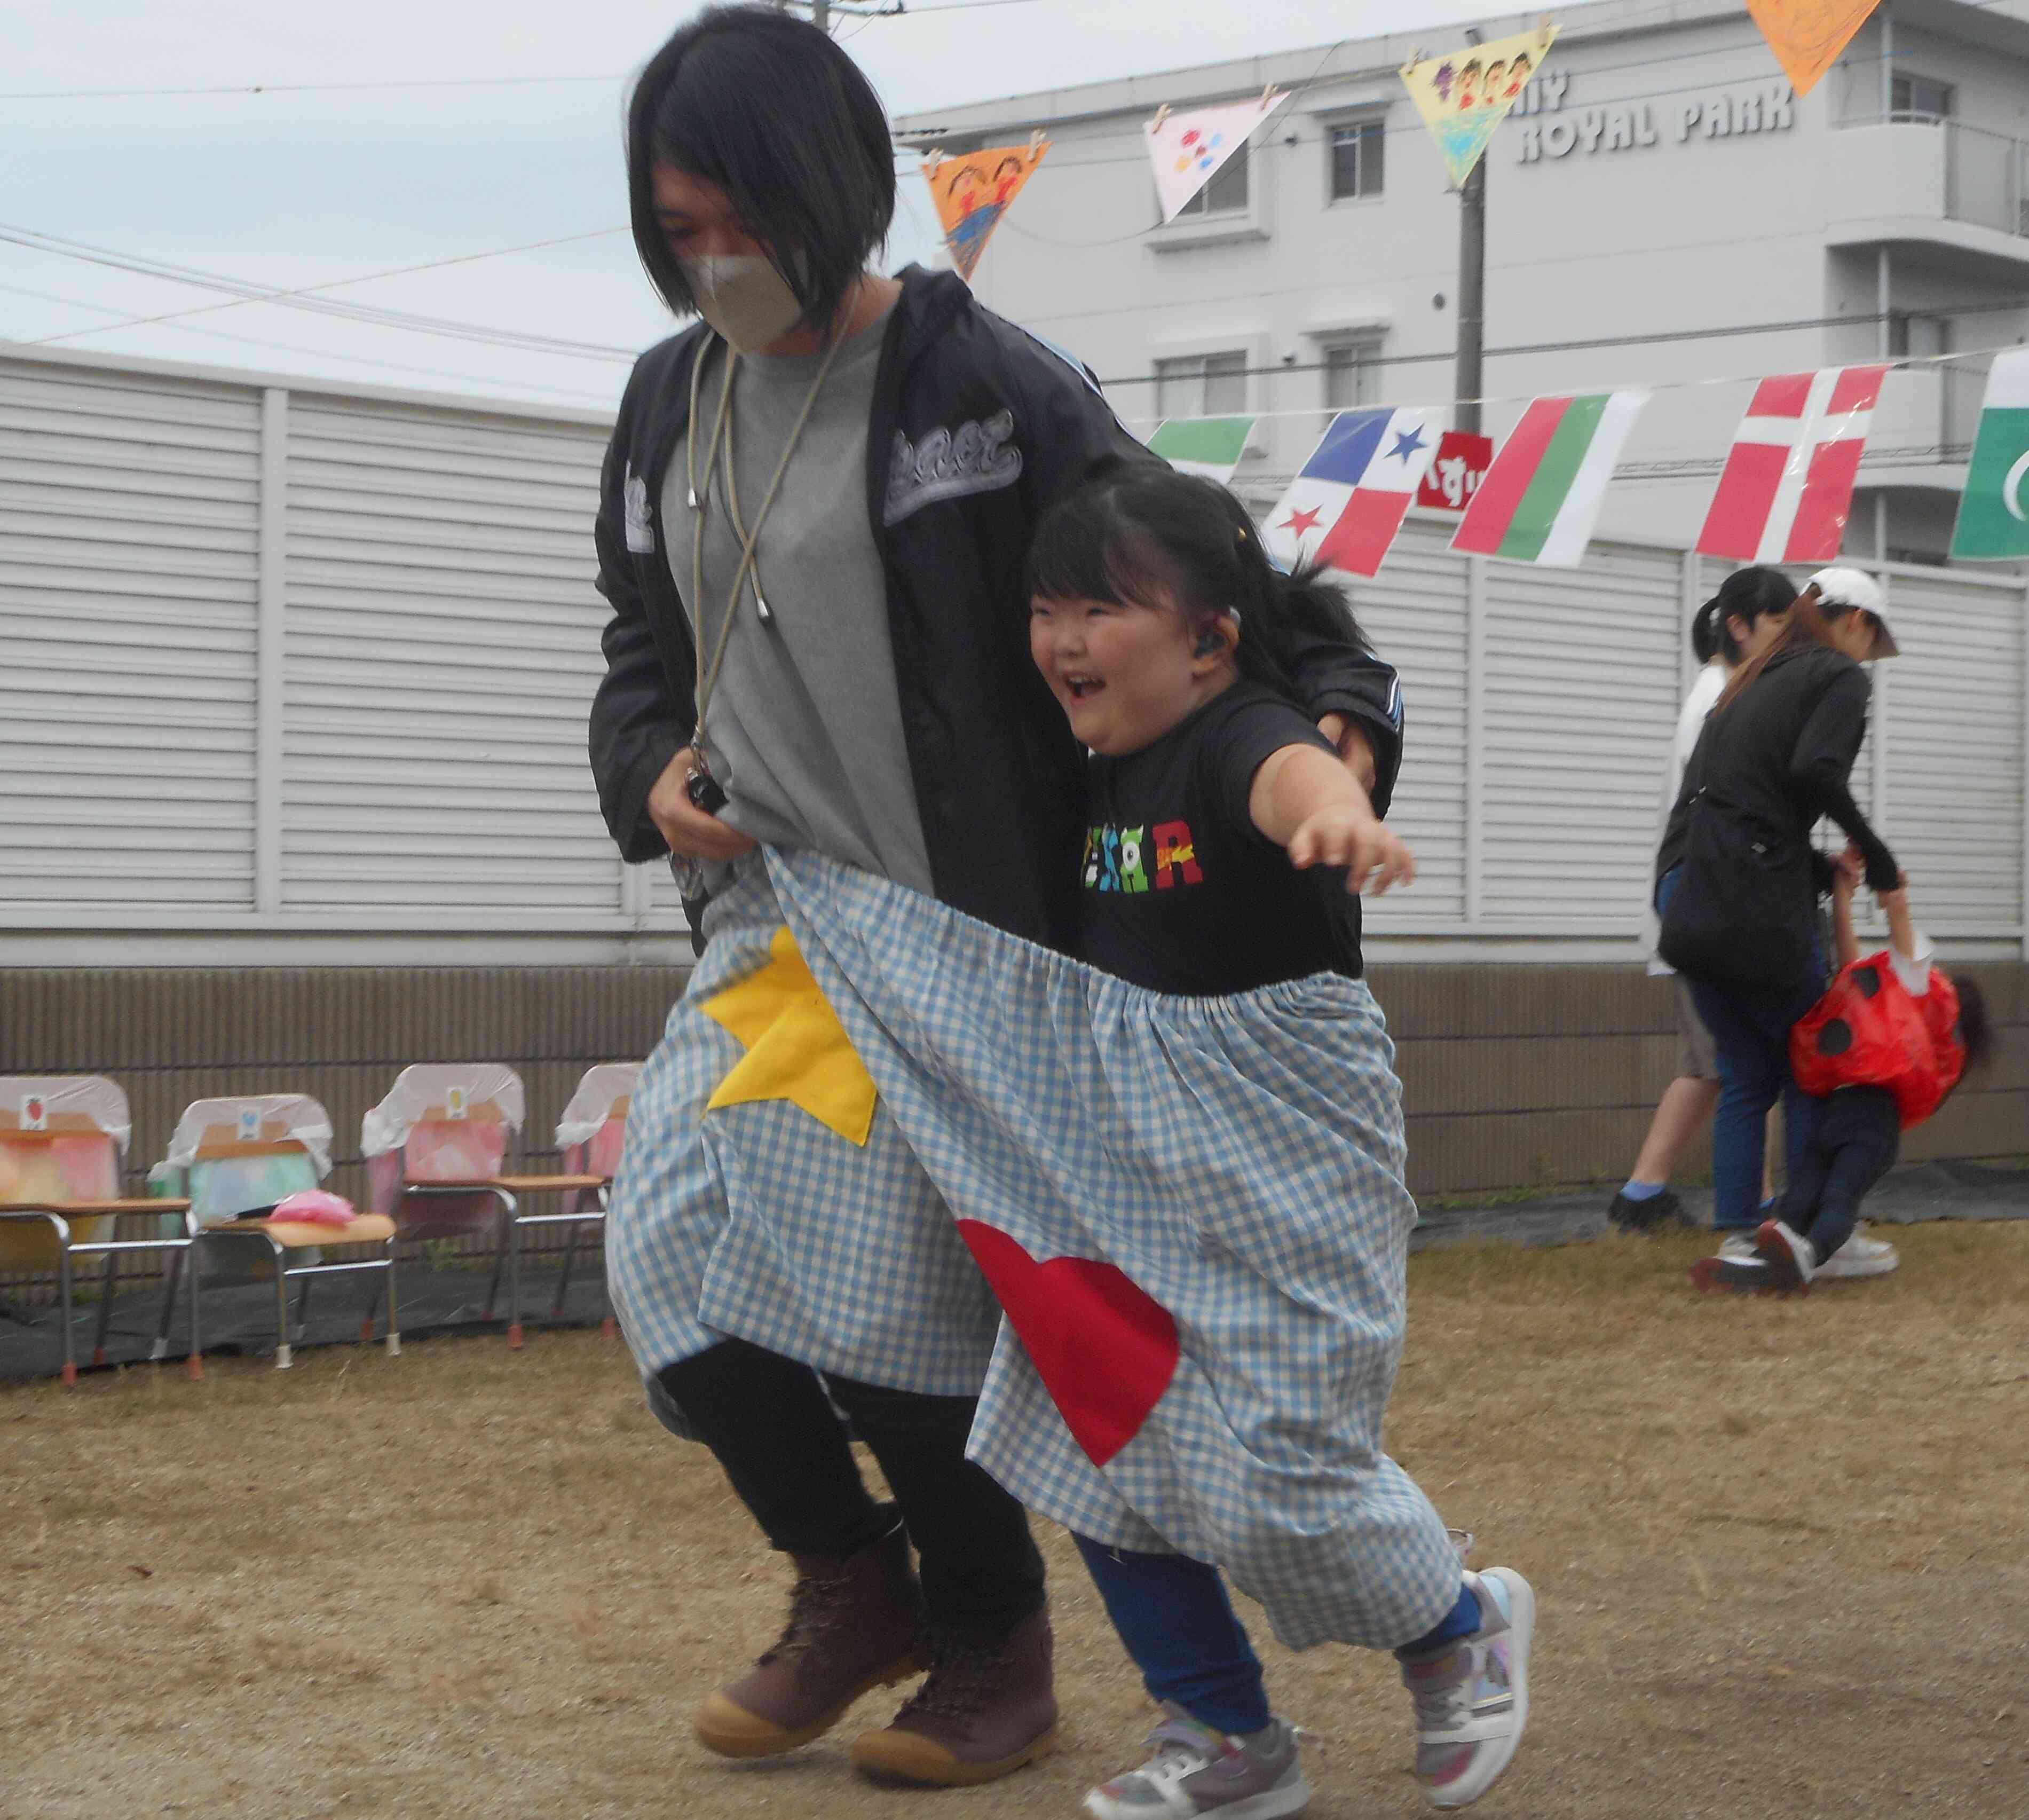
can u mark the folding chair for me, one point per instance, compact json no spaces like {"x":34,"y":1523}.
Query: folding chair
{"x":590,"y":1137}
{"x":436,"y":1150}
{"x":240,"y":1157}
{"x":62,"y":1137}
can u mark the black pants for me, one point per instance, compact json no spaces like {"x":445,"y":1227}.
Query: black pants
{"x":775,"y":1432}
{"x":1858,"y":1135}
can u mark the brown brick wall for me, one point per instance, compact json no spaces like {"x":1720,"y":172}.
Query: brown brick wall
{"x":1515,"y":1076}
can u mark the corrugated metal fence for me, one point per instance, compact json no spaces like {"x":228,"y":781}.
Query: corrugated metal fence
{"x":278,"y":659}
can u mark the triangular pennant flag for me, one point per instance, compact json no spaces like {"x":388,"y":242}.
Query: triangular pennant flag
{"x":1211,"y":446}
{"x":1993,"y":516}
{"x":1464,"y":95}
{"x":972,"y":193}
{"x":1808,"y":35}
{"x":1351,"y":494}
{"x":1189,"y":149}
{"x":1541,"y":497}
{"x":1786,"y":490}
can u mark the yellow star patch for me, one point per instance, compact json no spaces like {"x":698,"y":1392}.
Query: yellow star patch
{"x":796,"y":1049}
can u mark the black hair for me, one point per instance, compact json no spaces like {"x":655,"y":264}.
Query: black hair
{"x":766,"y":107}
{"x":1752,"y":594}
{"x":1146,"y":535}
{"x":1974,"y":1031}
{"x":1706,"y":635}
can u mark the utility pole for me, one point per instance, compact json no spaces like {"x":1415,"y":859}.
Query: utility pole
{"x":1472,"y":287}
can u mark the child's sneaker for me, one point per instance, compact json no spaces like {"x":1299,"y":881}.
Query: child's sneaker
{"x":1197,"y":1770}
{"x":1746,"y":1276}
{"x":1472,"y":1696}
{"x":1788,"y":1257}
{"x":1861,"y":1255}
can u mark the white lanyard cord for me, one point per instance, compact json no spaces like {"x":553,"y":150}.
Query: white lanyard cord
{"x":707,"y":674}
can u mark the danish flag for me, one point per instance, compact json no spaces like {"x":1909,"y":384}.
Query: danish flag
{"x":1787,"y":487}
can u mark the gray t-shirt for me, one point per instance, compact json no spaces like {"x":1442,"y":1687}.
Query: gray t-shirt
{"x":803,"y":730}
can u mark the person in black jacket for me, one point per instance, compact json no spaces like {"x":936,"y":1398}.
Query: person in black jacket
{"x":812,"y":526}
{"x":1737,"y":877}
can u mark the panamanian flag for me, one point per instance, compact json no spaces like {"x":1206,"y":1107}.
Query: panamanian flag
{"x":1349,"y":499}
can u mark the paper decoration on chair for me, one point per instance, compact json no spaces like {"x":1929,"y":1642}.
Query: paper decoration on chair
{"x":1349,"y":499}
{"x":1464,"y":95}
{"x":1541,"y":497}
{"x":1189,"y":149}
{"x":1808,"y":35}
{"x":973,"y":192}
{"x":1786,"y":490}
{"x":1993,"y":513}
{"x":1209,"y":446}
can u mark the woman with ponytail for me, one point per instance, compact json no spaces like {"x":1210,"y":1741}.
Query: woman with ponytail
{"x":1737,"y":877}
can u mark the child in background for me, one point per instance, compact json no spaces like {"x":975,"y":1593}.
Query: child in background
{"x":1884,"y":1047}
{"x":1165,"y":631}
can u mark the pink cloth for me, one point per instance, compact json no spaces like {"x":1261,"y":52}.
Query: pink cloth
{"x":315,"y":1207}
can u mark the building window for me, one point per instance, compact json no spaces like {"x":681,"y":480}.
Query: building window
{"x":1917,"y":98}
{"x":1917,"y":337}
{"x":1225,"y":195}
{"x":1357,"y":159}
{"x":1201,"y":385}
{"x":1352,"y":375}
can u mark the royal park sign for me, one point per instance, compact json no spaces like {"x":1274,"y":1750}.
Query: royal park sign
{"x":1722,"y":114}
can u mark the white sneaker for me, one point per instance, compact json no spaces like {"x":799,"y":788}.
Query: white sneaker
{"x":1195,"y":1770}
{"x":1472,"y":1696}
{"x":1740,"y":1248}
{"x":1861,"y":1255}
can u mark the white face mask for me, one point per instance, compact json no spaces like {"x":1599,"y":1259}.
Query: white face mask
{"x":744,"y":297}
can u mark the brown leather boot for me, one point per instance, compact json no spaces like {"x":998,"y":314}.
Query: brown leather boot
{"x":988,"y":1708}
{"x":855,"y":1623}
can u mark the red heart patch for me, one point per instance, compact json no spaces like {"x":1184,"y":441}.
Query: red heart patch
{"x":1105,"y":1349}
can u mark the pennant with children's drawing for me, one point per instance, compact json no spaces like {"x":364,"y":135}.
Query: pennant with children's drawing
{"x":1189,"y":149}
{"x":1209,"y":446}
{"x":973,"y":192}
{"x":1463,"y":95}
{"x":1541,"y":497}
{"x":1808,"y":35}
{"x":1350,"y":496}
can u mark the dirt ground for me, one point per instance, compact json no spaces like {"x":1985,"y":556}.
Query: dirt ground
{"x":1780,"y":1549}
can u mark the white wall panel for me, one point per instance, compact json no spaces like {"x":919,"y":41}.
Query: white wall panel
{"x":1413,"y":613}
{"x":1581,"y":705}
{"x":442,"y":648}
{"x":128,"y":517}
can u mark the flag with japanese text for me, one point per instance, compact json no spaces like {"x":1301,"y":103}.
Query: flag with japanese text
{"x":1349,"y":499}
{"x":1787,"y":489}
{"x":1993,"y":525}
{"x":1209,"y":446}
{"x":1541,"y":497}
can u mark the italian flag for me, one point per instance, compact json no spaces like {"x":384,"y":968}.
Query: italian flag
{"x":1209,"y":446}
{"x":1541,"y":497}
{"x":1993,"y":509}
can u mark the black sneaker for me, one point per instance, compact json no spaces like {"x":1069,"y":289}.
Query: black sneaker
{"x":1645,"y":1216}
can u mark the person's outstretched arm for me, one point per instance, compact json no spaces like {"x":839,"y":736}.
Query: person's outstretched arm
{"x":1843,"y":886}
{"x":1304,"y":800}
{"x":1821,"y":766}
{"x":1902,"y":926}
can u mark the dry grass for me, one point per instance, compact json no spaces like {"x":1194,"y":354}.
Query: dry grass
{"x":1780,"y":1549}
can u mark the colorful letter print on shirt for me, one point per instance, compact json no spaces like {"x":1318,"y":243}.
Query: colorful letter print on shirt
{"x":1126,"y":859}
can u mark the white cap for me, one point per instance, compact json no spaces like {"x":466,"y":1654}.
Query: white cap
{"x":1855,"y":588}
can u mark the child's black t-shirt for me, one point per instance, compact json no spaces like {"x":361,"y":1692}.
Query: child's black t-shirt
{"x":1182,"y":892}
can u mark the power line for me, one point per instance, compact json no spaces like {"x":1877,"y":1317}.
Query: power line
{"x":306,"y":88}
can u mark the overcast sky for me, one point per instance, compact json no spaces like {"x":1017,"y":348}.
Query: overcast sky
{"x":483,"y":149}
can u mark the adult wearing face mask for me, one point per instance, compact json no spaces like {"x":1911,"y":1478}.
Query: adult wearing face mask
{"x":1738,"y":878}
{"x":814,"y":520}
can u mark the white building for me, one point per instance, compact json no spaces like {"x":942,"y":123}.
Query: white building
{"x":1660,"y":199}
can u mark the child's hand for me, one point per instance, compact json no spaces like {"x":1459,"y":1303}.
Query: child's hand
{"x":1891,"y":901}
{"x":1344,"y":835}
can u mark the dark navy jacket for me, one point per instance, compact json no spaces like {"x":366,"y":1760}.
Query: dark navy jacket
{"x":977,"y":429}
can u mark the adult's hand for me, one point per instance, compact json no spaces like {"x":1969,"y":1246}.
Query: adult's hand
{"x":1355,"y":750}
{"x":690,"y":832}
